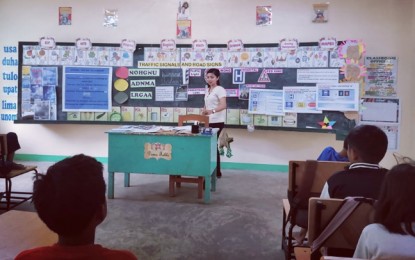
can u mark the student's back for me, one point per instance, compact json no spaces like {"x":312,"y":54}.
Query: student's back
{"x":70,"y":200}
{"x":392,"y":236}
{"x":367,"y":145}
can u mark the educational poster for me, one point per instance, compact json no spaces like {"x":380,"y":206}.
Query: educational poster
{"x":200,"y":58}
{"x":263,"y":15}
{"x":193,"y":110}
{"x":265,"y":102}
{"x":86,"y":89}
{"x":270,"y":57}
{"x":313,"y":57}
{"x":178,"y":111}
{"x":317,"y":75}
{"x":335,"y":60}
{"x":127,"y":114}
{"x":289,"y":120}
{"x":232,"y":116}
{"x":140,"y":114}
{"x":100,"y":116}
{"x":181,"y":93}
{"x":381,"y":76}
{"x":338,"y":96}
{"x":155,"y":54}
{"x":166,"y":114}
{"x":115,"y":115}
{"x":153,"y":114}
{"x":260,"y":120}
{"x":246,"y":118}
{"x":164,"y":93}
{"x":65,"y":15}
{"x":275,"y":121}
{"x":184,"y":29}
{"x":75,"y":116}
{"x":384,"y":110}
{"x":39,"y":92}
{"x":300,"y":99}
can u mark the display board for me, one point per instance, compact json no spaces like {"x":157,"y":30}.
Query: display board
{"x":149,"y":86}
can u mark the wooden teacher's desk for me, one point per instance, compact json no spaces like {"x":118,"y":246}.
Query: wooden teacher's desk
{"x":162,"y":153}
{"x":21,"y":230}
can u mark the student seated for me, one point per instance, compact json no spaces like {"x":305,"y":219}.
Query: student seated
{"x":70,"y":200}
{"x":367,"y":145}
{"x":330,"y":154}
{"x":12,"y":146}
{"x":392,"y":236}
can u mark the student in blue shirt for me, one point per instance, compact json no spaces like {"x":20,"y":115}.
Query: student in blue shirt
{"x":330,"y":154}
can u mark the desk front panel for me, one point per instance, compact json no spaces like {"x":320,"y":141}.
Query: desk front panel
{"x":193,"y":155}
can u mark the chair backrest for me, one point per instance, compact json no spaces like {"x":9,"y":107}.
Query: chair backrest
{"x":3,"y":145}
{"x":402,"y":158}
{"x":194,"y":117}
{"x":324,"y":169}
{"x":320,"y":213}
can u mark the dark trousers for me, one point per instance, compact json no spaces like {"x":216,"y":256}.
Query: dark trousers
{"x":220,"y":126}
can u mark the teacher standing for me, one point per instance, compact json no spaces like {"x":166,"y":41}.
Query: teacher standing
{"x":215,"y":106}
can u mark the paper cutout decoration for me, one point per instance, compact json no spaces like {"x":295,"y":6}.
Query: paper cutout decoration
{"x":353,"y":71}
{"x":352,"y":49}
{"x":326,"y":124}
{"x":320,"y":11}
{"x":183,"y":13}
{"x":110,"y":18}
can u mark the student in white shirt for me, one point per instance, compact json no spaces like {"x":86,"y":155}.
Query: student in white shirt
{"x":392,"y":236}
{"x":215,"y":106}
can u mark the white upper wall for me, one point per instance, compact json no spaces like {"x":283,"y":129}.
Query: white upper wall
{"x":386,"y":26}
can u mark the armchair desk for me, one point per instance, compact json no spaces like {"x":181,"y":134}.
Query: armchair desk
{"x":161,"y":153}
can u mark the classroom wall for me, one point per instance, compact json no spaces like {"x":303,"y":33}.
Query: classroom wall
{"x":386,"y":26}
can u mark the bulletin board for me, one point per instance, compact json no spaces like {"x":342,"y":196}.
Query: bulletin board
{"x":149,"y":95}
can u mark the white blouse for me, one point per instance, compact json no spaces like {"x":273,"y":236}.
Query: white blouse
{"x":212,"y":101}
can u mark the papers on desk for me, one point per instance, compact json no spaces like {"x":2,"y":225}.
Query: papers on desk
{"x":131,"y":129}
{"x":187,"y":129}
{"x":136,"y":129}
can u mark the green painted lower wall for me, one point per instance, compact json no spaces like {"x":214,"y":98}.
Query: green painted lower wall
{"x":224,"y":165}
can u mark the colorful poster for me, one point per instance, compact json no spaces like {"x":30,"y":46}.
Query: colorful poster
{"x":184,"y":29}
{"x":65,"y":15}
{"x":338,"y":96}
{"x":86,"y":89}
{"x":265,"y":102}
{"x":300,"y":99}
{"x":381,"y":76}
{"x":263,"y":15}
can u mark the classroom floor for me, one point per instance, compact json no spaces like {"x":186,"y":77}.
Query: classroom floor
{"x":242,"y":221}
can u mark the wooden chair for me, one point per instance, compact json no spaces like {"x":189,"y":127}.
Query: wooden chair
{"x":300,"y":181}
{"x":176,"y":180}
{"x":13,"y":198}
{"x":346,"y":236}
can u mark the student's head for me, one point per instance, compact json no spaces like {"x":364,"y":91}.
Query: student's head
{"x":71,"y":195}
{"x":212,"y":77}
{"x":396,"y":204}
{"x":366,"y":143}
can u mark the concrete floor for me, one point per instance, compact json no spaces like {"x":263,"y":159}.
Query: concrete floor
{"x":242,"y":221}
